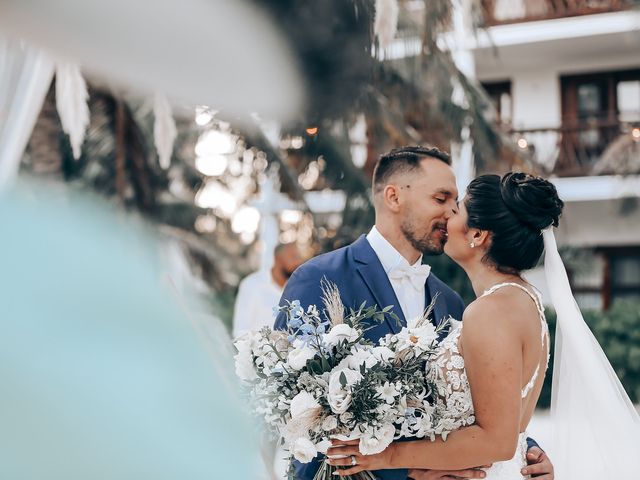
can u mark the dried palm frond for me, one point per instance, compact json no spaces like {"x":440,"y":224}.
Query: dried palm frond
{"x":71,"y":99}
{"x":164,"y":130}
{"x":427,"y":311}
{"x":332,"y":302}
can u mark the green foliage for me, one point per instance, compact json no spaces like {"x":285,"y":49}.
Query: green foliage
{"x":618,"y":332}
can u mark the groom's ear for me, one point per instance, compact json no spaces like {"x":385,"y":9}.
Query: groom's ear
{"x":391,"y":197}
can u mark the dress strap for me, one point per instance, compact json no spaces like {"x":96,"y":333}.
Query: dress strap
{"x":544,"y":330}
{"x":535,"y":296}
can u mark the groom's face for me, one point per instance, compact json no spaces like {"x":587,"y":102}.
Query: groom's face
{"x":429,"y":199}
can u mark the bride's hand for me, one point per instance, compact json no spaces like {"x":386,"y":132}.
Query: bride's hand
{"x":354,"y":459}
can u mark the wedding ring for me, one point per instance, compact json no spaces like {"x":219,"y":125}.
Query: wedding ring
{"x":353,"y":461}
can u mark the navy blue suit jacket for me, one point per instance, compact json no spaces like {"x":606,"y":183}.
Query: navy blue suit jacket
{"x":360,"y":277}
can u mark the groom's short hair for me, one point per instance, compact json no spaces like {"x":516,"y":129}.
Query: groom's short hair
{"x":403,"y":160}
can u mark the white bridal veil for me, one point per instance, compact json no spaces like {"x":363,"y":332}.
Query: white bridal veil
{"x":596,"y":429}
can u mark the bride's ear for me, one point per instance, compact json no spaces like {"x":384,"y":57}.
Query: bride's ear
{"x":480,"y":238}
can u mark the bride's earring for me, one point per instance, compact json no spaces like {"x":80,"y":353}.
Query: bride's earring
{"x":472,"y":245}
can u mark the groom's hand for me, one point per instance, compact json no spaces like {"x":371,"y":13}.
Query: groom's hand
{"x":539,"y":466}
{"x":445,"y":474}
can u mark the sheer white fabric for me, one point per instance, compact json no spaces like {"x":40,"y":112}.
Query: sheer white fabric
{"x":596,"y":429}
{"x":453,"y":393}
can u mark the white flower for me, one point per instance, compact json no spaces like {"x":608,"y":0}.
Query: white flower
{"x":418,"y":337}
{"x":323,"y":445}
{"x":346,"y":417}
{"x":329,"y":423}
{"x":383,"y":354}
{"x":359,"y":356}
{"x":305,"y":413}
{"x":278,"y":368}
{"x":384,"y":408}
{"x":340,"y":332}
{"x":298,"y":357}
{"x":387,"y":392}
{"x":339,"y":397}
{"x":304,"y":406}
{"x":424,"y":425}
{"x":245,"y":369}
{"x":304,"y":450}
{"x":376,"y":440}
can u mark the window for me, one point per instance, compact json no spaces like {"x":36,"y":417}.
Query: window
{"x":625,"y":277}
{"x":500,"y":95}
{"x":596,"y":109}
{"x":622,"y":274}
{"x":586,"y":274}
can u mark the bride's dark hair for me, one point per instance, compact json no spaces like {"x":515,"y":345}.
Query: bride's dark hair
{"x":515,"y":209}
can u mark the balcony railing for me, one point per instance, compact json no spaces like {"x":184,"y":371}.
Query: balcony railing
{"x":584,"y":148}
{"x":499,"y":12}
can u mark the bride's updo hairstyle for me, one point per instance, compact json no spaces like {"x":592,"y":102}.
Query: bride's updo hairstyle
{"x":515,"y":209}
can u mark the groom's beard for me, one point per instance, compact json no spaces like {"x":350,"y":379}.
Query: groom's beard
{"x":431,"y":243}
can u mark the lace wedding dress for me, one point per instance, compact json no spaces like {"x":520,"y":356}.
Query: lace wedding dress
{"x":447,"y":371}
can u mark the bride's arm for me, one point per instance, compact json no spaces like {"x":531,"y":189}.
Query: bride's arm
{"x":492,"y":344}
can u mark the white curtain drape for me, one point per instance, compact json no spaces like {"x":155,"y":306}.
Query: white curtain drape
{"x":25,"y":77}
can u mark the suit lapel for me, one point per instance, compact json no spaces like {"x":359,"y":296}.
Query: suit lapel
{"x":374,"y":277}
{"x":430,"y":291}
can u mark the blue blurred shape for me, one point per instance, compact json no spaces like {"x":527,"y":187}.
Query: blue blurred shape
{"x":101,"y":374}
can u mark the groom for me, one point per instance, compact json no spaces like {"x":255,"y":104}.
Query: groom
{"x":414,"y":195}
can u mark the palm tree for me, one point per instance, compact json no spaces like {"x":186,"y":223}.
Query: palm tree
{"x":404,"y":101}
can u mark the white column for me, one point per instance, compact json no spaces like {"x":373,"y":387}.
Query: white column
{"x":463,"y":163}
{"x":462,"y":153}
{"x":270,"y":204}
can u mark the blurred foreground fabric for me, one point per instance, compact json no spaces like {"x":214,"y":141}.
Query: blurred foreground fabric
{"x":103,"y":375}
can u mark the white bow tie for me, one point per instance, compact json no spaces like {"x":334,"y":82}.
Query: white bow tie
{"x":417,"y":275}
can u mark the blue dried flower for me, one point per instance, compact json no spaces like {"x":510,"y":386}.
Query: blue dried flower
{"x":296,"y":322}
{"x":307,"y":329}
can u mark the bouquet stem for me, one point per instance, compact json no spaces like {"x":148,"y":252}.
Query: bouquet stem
{"x":325,"y":472}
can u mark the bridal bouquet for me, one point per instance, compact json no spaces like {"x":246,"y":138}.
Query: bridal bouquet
{"x":323,"y":379}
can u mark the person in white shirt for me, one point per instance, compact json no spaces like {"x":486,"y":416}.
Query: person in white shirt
{"x":260,"y":291}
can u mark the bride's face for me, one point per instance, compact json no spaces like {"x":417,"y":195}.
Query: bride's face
{"x":457,"y":246}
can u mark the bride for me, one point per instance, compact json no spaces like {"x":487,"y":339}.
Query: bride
{"x":489,"y":374}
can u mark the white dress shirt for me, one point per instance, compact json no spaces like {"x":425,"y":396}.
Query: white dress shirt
{"x":257,"y":295}
{"x":411,"y":298}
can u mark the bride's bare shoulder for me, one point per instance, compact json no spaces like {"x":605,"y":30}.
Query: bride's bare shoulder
{"x":493,"y":323}
{"x":500,"y":310}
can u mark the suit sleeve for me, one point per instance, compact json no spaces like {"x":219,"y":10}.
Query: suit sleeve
{"x":532,"y":443}
{"x":460,"y":306}
{"x":304,"y":286}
